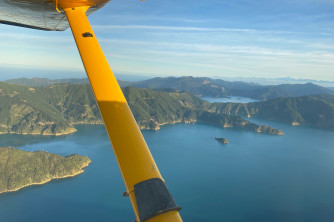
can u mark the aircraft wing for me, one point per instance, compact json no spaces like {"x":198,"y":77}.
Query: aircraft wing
{"x":40,"y":14}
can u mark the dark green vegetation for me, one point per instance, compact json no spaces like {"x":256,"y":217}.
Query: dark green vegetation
{"x":57,"y":108}
{"x":201,"y":86}
{"x":222,"y":140}
{"x":306,"y":110}
{"x":154,"y":108}
{"x":51,"y":110}
{"x":21,"y":168}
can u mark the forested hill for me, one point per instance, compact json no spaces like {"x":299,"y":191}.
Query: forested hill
{"x":51,"y":110}
{"x":57,"y":108}
{"x":20,"y":168}
{"x":315,"y":110}
{"x":154,"y":108}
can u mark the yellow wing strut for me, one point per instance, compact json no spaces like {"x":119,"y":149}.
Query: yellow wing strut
{"x":136,"y":163}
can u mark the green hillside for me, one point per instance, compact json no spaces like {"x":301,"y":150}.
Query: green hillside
{"x":24,"y":110}
{"x":19,"y":168}
{"x":152,"y":109}
{"x":75,"y":102}
{"x":306,"y":110}
{"x":55,"y":109}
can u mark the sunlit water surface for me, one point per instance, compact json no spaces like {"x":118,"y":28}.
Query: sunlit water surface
{"x":230,"y":99}
{"x":255,"y":177}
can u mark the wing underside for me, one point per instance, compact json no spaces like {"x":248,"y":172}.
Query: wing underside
{"x":38,"y":14}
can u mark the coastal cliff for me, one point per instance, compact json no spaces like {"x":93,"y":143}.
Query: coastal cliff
{"x":20,"y":169}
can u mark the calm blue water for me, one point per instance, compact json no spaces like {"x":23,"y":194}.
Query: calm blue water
{"x":231,"y":99}
{"x":255,"y":177}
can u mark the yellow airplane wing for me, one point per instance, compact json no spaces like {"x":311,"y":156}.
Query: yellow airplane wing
{"x":41,"y":14}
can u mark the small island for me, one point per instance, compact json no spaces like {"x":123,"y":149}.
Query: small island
{"x":222,"y":140}
{"x":20,"y":168}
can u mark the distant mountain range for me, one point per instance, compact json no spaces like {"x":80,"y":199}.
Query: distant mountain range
{"x":277,"y":81}
{"x":220,"y":88}
{"x":202,"y":86}
{"x":40,"y":82}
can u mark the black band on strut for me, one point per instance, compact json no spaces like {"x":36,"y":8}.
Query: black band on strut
{"x":153,"y":198}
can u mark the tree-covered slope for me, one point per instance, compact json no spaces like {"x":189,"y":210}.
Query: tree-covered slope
{"x":315,"y":110}
{"x":76,"y":102}
{"x":152,"y":109}
{"x":161,"y":106}
{"x":19,"y":168}
{"x":24,"y":110}
{"x":57,"y":108}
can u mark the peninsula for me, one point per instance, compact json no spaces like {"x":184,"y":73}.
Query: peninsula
{"x":20,"y":169}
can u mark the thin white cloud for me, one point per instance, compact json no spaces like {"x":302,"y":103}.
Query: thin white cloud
{"x":241,"y":50}
{"x":186,"y":28}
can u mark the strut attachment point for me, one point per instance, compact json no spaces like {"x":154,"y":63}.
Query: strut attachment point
{"x":87,"y":34}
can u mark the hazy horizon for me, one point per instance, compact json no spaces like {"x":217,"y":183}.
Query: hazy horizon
{"x":203,"y":38}
{"x":134,"y":78}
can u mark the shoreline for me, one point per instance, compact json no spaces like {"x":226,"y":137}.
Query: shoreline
{"x":145,"y":127}
{"x":55,"y":134}
{"x":157,"y":127}
{"x":41,"y":134}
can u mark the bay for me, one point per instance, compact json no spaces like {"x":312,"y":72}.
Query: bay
{"x":230,"y":99}
{"x":255,"y":177}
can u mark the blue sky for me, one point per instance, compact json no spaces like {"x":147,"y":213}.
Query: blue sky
{"x":220,"y":38}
